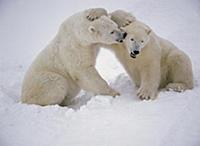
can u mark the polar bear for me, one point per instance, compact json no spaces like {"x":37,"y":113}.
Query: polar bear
{"x":67,"y":64}
{"x":151,"y":61}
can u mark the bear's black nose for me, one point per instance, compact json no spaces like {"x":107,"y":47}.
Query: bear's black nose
{"x":124,"y":35}
{"x":119,"y":40}
{"x":136,"y":52}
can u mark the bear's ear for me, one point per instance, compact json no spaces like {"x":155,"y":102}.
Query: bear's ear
{"x":91,"y":29}
{"x":148,"y":31}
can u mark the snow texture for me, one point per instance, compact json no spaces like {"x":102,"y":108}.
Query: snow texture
{"x":172,"y":120}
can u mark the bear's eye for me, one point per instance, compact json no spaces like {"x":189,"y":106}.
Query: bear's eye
{"x":142,"y":41}
{"x":132,"y":39}
{"x":111,"y":32}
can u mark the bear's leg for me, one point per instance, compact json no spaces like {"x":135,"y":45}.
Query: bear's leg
{"x":45,"y":88}
{"x":73,"y":90}
{"x":150,"y":79}
{"x":180,"y":72}
{"x":90,"y":80}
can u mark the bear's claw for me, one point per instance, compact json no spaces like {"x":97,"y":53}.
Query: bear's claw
{"x":96,"y":13}
{"x":177,"y":87}
{"x":146,"y":94}
{"x":122,"y":18}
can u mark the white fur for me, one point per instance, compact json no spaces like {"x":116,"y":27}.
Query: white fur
{"x":67,"y":64}
{"x":160,"y":64}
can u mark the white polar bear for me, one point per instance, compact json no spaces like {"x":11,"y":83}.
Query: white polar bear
{"x":156,"y":63}
{"x":67,"y":64}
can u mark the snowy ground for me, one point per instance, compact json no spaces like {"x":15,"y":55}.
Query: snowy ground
{"x":171,"y":120}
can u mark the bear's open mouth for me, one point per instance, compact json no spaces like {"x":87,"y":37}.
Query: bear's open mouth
{"x":133,"y":55}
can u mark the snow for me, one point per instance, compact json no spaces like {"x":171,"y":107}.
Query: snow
{"x":173,"y":119}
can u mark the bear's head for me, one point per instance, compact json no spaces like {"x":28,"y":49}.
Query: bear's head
{"x":138,"y":35}
{"x":104,"y":30}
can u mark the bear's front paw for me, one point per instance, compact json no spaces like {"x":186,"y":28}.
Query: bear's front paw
{"x":127,"y":20}
{"x":146,"y":94}
{"x":114,"y":93}
{"x":122,"y":18}
{"x":96,"y":13}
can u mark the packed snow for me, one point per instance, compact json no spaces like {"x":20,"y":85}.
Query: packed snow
{"x":173,"y":119}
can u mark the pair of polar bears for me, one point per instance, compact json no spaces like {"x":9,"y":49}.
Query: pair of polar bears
{"x":67,"y":64}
